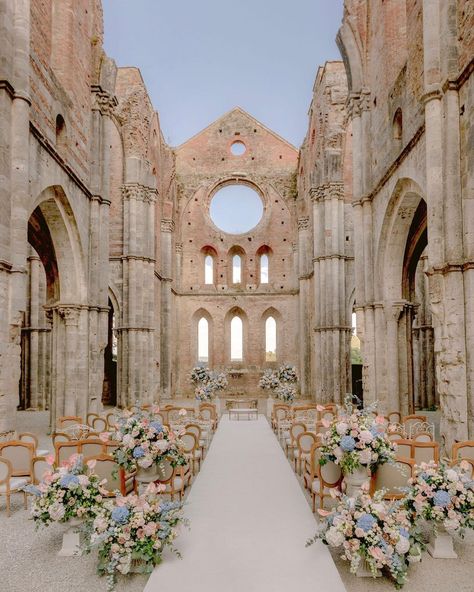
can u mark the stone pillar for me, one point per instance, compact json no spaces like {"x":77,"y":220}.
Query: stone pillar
{"x":167,"y":228}
{"x":305,"y":274}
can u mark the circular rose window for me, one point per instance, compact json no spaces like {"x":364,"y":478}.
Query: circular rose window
{"x":236,"y":209}
{"x":238,"y":148}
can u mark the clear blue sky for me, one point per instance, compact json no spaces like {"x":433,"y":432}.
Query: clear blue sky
{"x":200,"y":58}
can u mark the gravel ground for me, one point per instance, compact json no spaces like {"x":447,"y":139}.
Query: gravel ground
{"x":28,"y":560}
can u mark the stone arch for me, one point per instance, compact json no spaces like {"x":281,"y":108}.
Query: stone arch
{"x":208,"y":251}
{"x":237,"y":250}
{"x":236,"y":311}
{"x":274,"y":313}
{"x":197,"y":316}
{"x":351,"y":56}
{"x":263,"y":251}
{"x":58,"y":245}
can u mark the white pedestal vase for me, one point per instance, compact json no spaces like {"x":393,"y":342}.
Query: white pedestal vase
{"x":440,"y":544}
{"x":355,"y":480}
{"x":270,"y":403}
{"x":71,"y":539}
{"x":154,"y":473}
{"x":217,"y":402}
{"x":363,"y":571}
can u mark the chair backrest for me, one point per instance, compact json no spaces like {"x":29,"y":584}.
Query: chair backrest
{"x":326,"y":414}
{"x":194,"y":429}
{"x":404,"y":448}
{"x":394,"y":417}
{"x":99,"y":424}
{"x":91,"y":447}
{"x":330,"y":474}
{"x":159,"y":417}
{"x":60,"y":437}
{"x":29,"y":437}
{"x":305,"y":441}
{"x":393,"y":476}
{"x":5,"y":471}
{"x":281,"y":413}
{"x":463,"y":450}
{"x":423,"y":437}
{"x":320,"y":428}
{"x":90,"y":418}
{"x":111,"y":446}
{"x":111,"y":420}
{"x":395,"y":437}
{"x":410,"y":420}
{"x":466,"y":462}
{"x":106,"y":468}
{"x":314,"y":456}
{"x":20,"y":454}
{"x":64,"y":450}
{"x":189,"y":442}
{"x":206,"y":414}
{"x":39,"y":467}
{"x":424,"y":452}
{"x":69,"y":420}
{"x":167,"y":470}
{"x":295,"y":430}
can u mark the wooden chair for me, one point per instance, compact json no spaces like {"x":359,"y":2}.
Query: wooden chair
{"x":394,"y":417}
{"x":409,"y":420}
{"x":111,"y":420}
{"x":280,"y":413}
{"x":60,"y":437}
{"x":191,"y":449}
{"x":330,"y":477}
{"x":90,"y":418}
{"x":32,"y":439}
{"x":404,"y":448}
{"x":295,"y":430}
{"x":463,"y":450}
{"x":99,"y":424}
{"x":467,"y":461}
{"x":196,"y":430}
{"x":327,"y":414}
{"x":174,"y":480}
{"x":320,"y":429}
{"x":424,"y":452}
{"x":393,"y":477}
{"x":91,"y":447}
{"x":69,"y":420}
{"x":304,"y":443}
{"x":10,"y":484}
{"x":208,"y":412}
{"x":117,"y":480}
{"x":64,"y":451}
{"x":39,"y":467}
{"x":20,"y":454}
{"x":423,"y":437}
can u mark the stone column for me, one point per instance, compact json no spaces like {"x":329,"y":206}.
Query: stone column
{"x":167,"y":228}
{"x":70,"y":315}
{"x":305,"y":274}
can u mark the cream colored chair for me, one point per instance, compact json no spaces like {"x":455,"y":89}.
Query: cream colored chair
{"x":304,"y":443}
{"x":174,"y":479}
{"x":39,"y":467}
{"x":425,"y":452}
{"x":280,"y":413}
{"x":296,"y":429}
{"x":90,"y":418}
{"x":423,"y":437}
{"x":91,"y":447}
{"x":60,"y":437}
{"x":330,"y":477}
{"x":196,"y":430}
{"x":68,"y":421}
{"x":10,"y":484}
{"x":111,"y":420}
{"x":394,"y":417}
{"x":404,"y":448}
{"x":463,"y":450}
{"x":466,"y":462}
{"x":191,"y":450}
{"x":409,"y":420}
{"x":392,"y":477}
{"x":20,"y":454}
{"x":64,"y":451}
{"x":117,"y":480}
{"x":99,"y":424}
{"x":32,"y":439}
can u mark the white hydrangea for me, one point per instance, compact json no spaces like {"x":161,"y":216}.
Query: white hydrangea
{"x":334,"y":537}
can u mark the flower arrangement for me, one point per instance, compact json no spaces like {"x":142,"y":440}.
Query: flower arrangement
{"x":371,"y":530}
{"x":145,"y":441}
{"x":199,"y":375}
{"x":131,"y":533}
{"x":444,"y":495}
{"x":356,"y":439}
{"x":67,"y":492}
{"x":282,"y":382}
{"x":207,"y":382}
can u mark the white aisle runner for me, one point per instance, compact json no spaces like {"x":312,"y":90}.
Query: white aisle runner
{"x":249,"y":523}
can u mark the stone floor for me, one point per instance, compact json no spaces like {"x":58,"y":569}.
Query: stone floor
{"x":28,"y":561}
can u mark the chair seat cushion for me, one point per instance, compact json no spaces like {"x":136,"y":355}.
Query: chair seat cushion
{"x":16,"y":483}
{"x":177,"y":484}
{"x":42,"y":452}
{"x":316,"y":486}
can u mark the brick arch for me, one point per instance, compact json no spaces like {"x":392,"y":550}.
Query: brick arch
{"x":231,"y":313}
{"x":271,"y":311}
{"x":209,"y":251}
{"x":263,"y":250}
{"x":237,"y":250}
{"x":196,"y":317}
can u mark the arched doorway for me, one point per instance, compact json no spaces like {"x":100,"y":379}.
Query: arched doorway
{"x":109,"y":389}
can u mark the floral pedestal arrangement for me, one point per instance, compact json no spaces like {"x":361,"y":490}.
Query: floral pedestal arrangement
{"x":355,"y":479}
{"x":150,"y":474}
{"x":364,"y":571}
{"x":270,"y":403}
{"x":440,"y":545}
{"x":71,"y":539}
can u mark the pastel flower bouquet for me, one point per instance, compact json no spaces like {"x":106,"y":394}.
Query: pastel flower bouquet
{"x":373,"y":532}
{"x":130,"y":533}
{"x":145,"y":441}
{"x":207,"y":383}
{"x":71,"y":491}
{"x":282,"y":382}
{"x":287,"y":373}
{"x":356,"y":439}
{"x":269,"y":380}
{"x":199,"y":375}
{"x":444,"y":495}
{"x":286,"y":392}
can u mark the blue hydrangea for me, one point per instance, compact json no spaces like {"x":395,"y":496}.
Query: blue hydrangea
{"x":366,"y":522}
{"x":120,"y":514}
{"x":404,"y":533}
{"x":157,"y":426}
{"x":347,"y":443}
{"x":168,"y":506}
{"x":69,"y":480}
{"x":442,"y":498}
{"x":138,"y":452}
{"x":374,"y":431}
{"x":396,"y":561}
{"x":383,"y":545}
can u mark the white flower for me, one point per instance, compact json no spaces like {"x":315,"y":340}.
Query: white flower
{"x":334,"y":537}
{"x":403,"y":545}
{"x":162,"y":445}
{"x":451,"y":525}
{"x":452,"y":475}
{"x":365,"y":456}
{"x":341,"y":428}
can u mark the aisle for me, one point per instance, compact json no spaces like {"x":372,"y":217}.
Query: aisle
{"x":249,"y":523}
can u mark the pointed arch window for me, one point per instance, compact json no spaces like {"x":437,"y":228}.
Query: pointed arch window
{"x":270,"y":339}
{"x":209,"y":269}
{"x":236,"y":269}
{"x":264,"y":269}
{"x":236,"y":340}
{"x":203,"y":340}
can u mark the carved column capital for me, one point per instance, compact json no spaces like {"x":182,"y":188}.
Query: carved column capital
{"x":178,"y":247}
{"x":104,"y":101}
{"x":303,"y":223}
{"x":167,"y":225}
{"x":70,"y":314}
